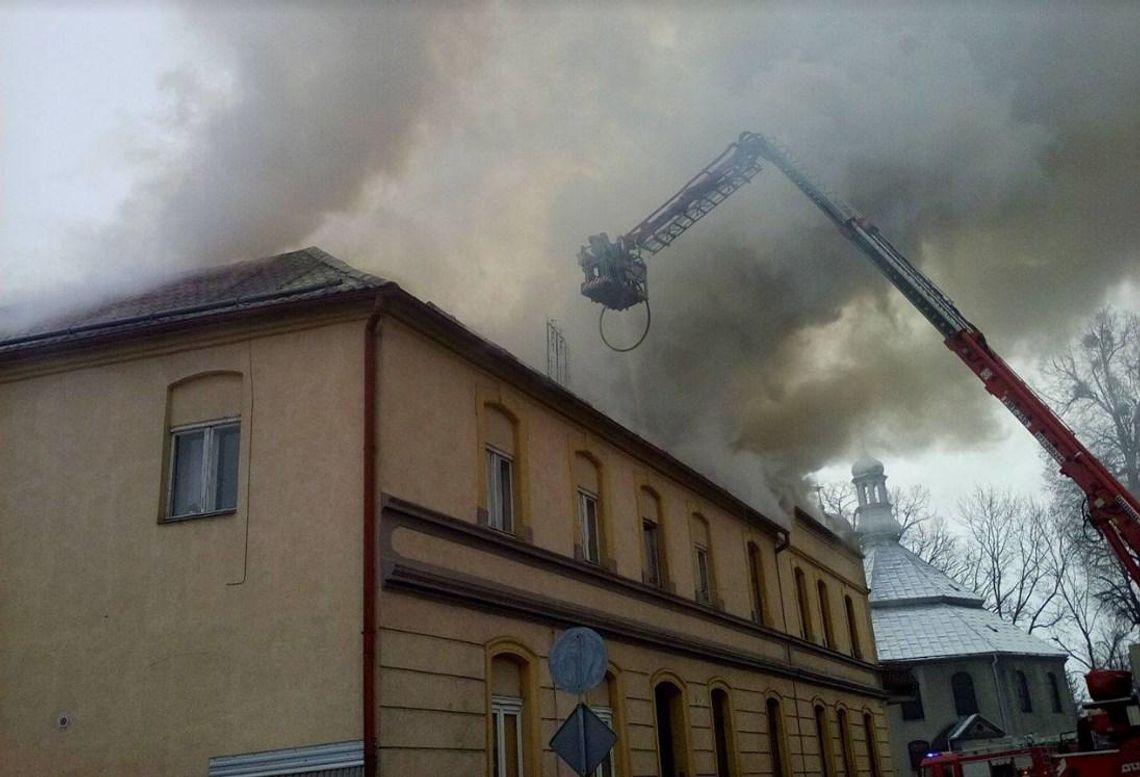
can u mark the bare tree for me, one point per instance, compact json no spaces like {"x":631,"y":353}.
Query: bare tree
{"x":1095,"y":386}
{"x":1009,"y":557}
{"x":924,"y":532}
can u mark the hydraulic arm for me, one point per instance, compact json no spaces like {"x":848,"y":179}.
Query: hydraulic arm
{"x":616,"y":277}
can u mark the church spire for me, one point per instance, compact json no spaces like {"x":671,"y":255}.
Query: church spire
{"x":874,"y":518}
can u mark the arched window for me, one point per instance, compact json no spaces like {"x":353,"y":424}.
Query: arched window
{"x":776,"y":745}
{"x":825,"y":614}
{"x":1023,"y":697}
{"x":872,"y":744}
{"x":802,"y":603}
{"x":823,"y":742}
{"x":672,"y":733}
{"x":852,"y":627}
{"x":654,"y":564}
{"x":1054,"y":692}
{"x":756,"y":583}
{"x":705,"y":581}
{"x":846,"y":752}
{"x":724,"y":737}
{"x":590,"y":544}
{"x":202,"y":446}
{"x":604,"y":700}
{"x":500,"y":455}
{"x":965,"y":701}
{"x":508,"y":718}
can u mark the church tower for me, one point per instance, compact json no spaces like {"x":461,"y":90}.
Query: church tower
{"x":874,"y":521}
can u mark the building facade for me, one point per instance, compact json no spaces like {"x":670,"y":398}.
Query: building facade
{"x":975,"y":676}
{"x":211,"y":491}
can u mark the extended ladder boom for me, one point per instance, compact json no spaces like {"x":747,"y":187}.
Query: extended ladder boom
{"x":615,"y":276}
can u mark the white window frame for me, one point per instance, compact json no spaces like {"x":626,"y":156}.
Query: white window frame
{"x":209,"y":466}
{"x":501,"y":707}
{"x":606,"y":715}
{"x":498,"y":518}
{"x":591,"y":535}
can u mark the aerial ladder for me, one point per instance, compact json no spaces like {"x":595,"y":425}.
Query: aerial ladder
{"x":616,"y":277}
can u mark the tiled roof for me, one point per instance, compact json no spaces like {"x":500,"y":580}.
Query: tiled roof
{"x":896,"y":575}
{"x":299,"y":275}
{"x":928,"y":631}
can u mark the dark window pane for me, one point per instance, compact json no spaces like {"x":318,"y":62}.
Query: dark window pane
{"x":226,"y":440}
{"x":912,"y":708}
{"x":965,"y":702}
{"x":187,"y":489}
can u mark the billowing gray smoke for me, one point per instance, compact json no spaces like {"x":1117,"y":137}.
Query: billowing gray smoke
{"x":468,"y":152}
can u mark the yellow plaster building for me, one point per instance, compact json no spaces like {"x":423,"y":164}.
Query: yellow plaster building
{"x":209,"y":491}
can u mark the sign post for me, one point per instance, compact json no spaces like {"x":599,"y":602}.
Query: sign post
{"x":577,"y":664}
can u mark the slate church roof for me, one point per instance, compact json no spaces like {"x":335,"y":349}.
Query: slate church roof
{"x":918,"y":612}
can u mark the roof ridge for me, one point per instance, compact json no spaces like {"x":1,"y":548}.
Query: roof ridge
{"x":339,"y":265}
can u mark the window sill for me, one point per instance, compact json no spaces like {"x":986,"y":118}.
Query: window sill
{"x":195,"y":516}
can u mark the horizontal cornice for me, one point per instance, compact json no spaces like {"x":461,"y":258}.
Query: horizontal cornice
{"x":437,"y":581}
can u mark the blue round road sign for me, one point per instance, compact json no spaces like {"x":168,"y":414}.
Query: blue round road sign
{"x":578,"y":660}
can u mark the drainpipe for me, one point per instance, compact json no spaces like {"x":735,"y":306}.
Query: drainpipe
{"x":368,"y":658}
{"x":1000,"y":696}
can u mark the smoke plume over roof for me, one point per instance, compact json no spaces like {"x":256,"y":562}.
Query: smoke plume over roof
{"x":467,"y":151}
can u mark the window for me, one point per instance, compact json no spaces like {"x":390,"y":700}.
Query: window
{"x":652,"y":549}
{"x":965,"y":701}
{"x":588,"y":525}
{"x":756,"y":579}
{"x":1054,"y":692}
{"x":912,"y":707}
{"x":500,"y":491}
{"x":606,"y":768}
{"x":702,"y":560}
{"x":723,"y":735}
{"x":672,"y":731}
{"x":823,"y":742}
{"x":852,"y":627}
{"x":872,"y":744}
{"x":825,"y":615}
{"x":511,"y":712}
{"x":507,"y":726}
{"x":802,"y":602}
{"x":845,"y":750}
{"x":204,"y":468}
{"x":605,"y":700}
{"x":589,"y":540}
{"x":1023,"y":697}
{"x":776,"y":747}
{"x":654,"y":565}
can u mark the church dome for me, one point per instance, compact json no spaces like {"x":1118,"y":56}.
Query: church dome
{"x":866,"y":465}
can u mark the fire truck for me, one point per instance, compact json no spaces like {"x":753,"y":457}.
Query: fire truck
{"x":616,"y":277}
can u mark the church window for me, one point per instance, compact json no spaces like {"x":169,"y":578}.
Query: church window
{"x":1023,"y":697}
{"x":825,"y":614}
{"x":912,"y":707}
{"x":1054,"y":692}
{"x":965,"y":700}
{"x":852,"y":627}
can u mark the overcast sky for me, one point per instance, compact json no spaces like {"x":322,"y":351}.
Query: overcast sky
{"x":467,"y":151}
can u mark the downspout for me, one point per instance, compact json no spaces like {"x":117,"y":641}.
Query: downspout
{"x":368,"y":658}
